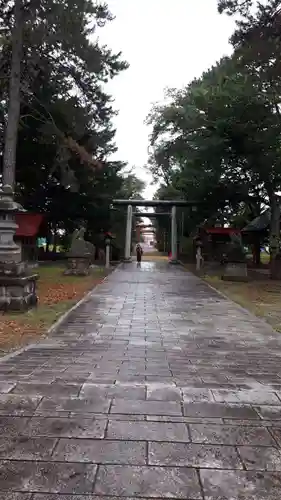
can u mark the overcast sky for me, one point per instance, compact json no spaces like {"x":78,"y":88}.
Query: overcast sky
{"x":167,"y":43}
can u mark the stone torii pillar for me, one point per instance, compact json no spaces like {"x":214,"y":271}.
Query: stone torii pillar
{"x":174,"y":235}
{"x":128,"y":242}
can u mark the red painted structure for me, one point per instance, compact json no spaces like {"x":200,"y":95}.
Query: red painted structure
{"x":28,"y":224}
{"x":221,"y":230}
{"x":26,"y":233}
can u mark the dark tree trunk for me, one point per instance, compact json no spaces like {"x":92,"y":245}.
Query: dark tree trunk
{"x":11,"y":134}
{"x":275,"y":263}
{"x":256,"y":251}
{"x":55,"y":239}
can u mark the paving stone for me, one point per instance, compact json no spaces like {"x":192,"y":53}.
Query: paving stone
{"x":116,"y":391}
{"x":148,"y":431}
{"x":193,"y":455}
{"x":12,"y":426}
{"x":146,"y":407}
{"x":260,"y":397}
{"x":70,"y":377}
{"x":260,"y":458}
{"x":163,"y":393}
{"x":230,"y":435}
{"x":269,"y":412}
{"x":251,"y":423}
{"x":11,"y":404}
{"x":6,"y":387}
{"x":193,"y":395}
{"x":46,"y":477}
{"x":66,"y":427}
{"x":43,"y":496}
{"x":219,"y":410}
{"x":239,"y":485}
{"x":46,"y":389}
{"x":53,"y":413}
{"x":101,"y":451}
{"x":25,"y":448}
{"x":150,"y":482}
{"x":276,"y":433}
{"x":115,"y":416}
{"x":79,"y":405}
{"x":15,"y":496}
{"x":187,"y":420}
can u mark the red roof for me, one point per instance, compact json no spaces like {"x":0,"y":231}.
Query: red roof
{"x":28,"y":224}
{"x":222,"y":230}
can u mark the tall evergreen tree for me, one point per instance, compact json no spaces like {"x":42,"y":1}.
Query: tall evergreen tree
{"x":65,"y":133}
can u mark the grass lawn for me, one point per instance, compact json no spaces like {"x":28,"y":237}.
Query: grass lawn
{"x":265,"y":257}
{"x":57,"y":293}
{"x":154,"y":256}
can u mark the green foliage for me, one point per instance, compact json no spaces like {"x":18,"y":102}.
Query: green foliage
{"x":132,"y":187}
{"x":220,"y":140}
{"x":257,"y":44}
{"x":235,"y":6}
{"x":66,"y":135}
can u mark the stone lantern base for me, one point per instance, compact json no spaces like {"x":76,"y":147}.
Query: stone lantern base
{"x":78,"y":266}
{"x":17,"y":292}
{"x":235,"y":271}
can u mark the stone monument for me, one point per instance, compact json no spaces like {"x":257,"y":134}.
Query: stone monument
{"x":235,"y":266}
{"x":80,"y":255}
{"x":17,"y":282}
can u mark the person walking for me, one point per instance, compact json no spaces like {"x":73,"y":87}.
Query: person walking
{"x":139,"y":252}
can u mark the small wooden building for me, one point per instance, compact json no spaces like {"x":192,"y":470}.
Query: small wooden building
{"x":214,"y":240}
{"x":28,"y":230}
{"x":256,"y":233}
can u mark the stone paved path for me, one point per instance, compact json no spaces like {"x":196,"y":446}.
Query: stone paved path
{"x":157,"y":387}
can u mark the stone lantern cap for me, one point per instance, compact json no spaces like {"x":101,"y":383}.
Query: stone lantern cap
{"x":108,"y":236}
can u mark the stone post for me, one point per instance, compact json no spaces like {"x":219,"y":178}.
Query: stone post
{"x":128,"y":233}
{"x":107,"y":252}
{"x":174,"y":257}
{"x":198,"y":258}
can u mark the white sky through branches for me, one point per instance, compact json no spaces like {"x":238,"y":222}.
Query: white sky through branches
{"x":167,"y":43}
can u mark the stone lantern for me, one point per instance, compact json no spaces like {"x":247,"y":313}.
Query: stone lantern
{"x":17,"y":284}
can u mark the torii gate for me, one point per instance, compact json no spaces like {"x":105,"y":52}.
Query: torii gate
{"x":170,"y":204}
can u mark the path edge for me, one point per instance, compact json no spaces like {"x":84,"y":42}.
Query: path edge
{"x":65,"y":315}
{"x":55,"y":326}
{"x":229,"y":299}
{"x":249,"y":313}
